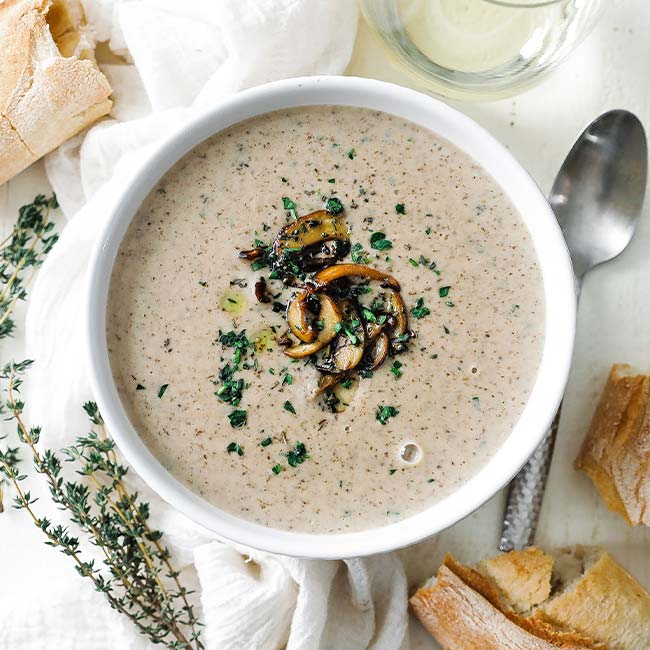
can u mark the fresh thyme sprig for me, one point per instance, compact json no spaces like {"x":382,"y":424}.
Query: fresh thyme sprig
{"x":22,"y":252}
{"x":137,"y":577}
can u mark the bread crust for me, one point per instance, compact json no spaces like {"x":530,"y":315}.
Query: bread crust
{"x":587,"y":602}
{"x":45,"y":97}
{"x":608,"y":602}
{"x":464,"y":611}
{"x":616,"y":451}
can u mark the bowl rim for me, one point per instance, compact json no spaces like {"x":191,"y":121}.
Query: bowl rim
{"x":497,"y":161}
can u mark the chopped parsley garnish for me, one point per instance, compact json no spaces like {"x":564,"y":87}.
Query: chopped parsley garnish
{"x":427,"y":231}
{"x":369,"y":315}
{"x":276,"y":469}
{"x":358,"y":255}
{"x":443,"y":292}
{"x":287,"y":379}
{"x":235,"y":448}
{"x":399,"y":208}
{"x":231,"y":389}
{"x":162,"y":389}
{"x":288,"y":406}
{"x":449,"y":303}
{"x":413,"y":262}
{"x":379,"y":242}
{"x":237,"y":418}
{"x":348,"y":329}
{"x":297,"y":455}
{"x":396,"y":369}
{"x":391,"y":471}
{"x":333,"y":206}
{"x":257,"y":265}
{"x":352,"y":153}
{"x":346,"y":383}
{"x":476,"y":401}
{"x":384,"y":413}
{"x":288,"y":204}
{"x":420,"y":311}
{"x":331,"y":180}
{"x":266,"y":442}
{"x":365,"y":374}
{"x":139,"y":387}
{"x":203,"y":283}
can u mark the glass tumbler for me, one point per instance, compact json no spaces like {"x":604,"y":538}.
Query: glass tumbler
{"x":480,"y":49}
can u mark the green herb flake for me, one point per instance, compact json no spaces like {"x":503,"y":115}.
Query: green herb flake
{"x":427,"y":231}
{"x":384,"y":413}
{"x":203,"y":283}
{"x":297,"y":455}
{"x":391,"y":471}
{"x":396,"y":369}
{"x":333,"y":205}
{"x":352,"y":153}
{"x":358,"y":255}
{"x":346,"y":383}
{"x":288,"y":204}
{"x":331,"y":180}
{"x":420,"y":311}
{"x":476,"y":401}
{"x":237,"y":418}
{"x":276,"y":469}
{"x":235,"y":448}
{"x":266,"y":442}
{"x":399,"y":208}
{"x":139,"y":387}
{"x":443,"y":292}
{"x":288,"y":406}
{"x":379,"y":242}
{"x":161,"y":390}
{"x":287,"y":379}
{"x":449,"y":303}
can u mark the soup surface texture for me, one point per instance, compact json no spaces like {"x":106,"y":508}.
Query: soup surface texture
{"x":196,"y":357}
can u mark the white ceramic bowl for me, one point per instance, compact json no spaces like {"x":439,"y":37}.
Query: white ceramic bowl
{"x":558,"y":288}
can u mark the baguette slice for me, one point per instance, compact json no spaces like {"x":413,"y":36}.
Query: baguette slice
{"x":50,"y":87}
{"x":527,"y":600}
{"x":616,"y":451}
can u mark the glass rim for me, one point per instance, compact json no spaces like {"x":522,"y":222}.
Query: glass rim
{"x":519,"y":4}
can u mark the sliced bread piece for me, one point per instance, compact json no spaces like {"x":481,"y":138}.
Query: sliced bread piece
{"x":616,"y":451}
{"x":529,"y":600}
{"x":50,"y":87}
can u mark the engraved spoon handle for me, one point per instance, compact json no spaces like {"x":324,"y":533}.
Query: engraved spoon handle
{"x":525,"y":494}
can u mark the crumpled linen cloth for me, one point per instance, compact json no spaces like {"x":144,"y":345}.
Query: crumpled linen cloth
{"x":183,"y":57}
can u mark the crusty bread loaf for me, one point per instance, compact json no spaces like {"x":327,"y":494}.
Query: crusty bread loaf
{"x":528,"y":600}
{"x":50,"y":87}
{"x":616,"y":451}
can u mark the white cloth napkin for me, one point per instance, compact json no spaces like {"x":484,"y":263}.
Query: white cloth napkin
{"x":184,"y":57}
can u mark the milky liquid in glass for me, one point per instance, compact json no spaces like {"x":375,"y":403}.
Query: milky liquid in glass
{"x":481,"y":47}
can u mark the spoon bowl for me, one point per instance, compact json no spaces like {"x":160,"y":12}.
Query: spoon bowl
{"x":598,"y":193}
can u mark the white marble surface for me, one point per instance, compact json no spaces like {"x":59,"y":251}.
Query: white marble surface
{"x":609,"y":70}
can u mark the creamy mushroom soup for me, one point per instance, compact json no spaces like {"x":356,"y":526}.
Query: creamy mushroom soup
{"x":325,"y":319}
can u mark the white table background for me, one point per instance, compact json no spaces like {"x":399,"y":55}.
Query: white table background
{"x":611,"y":69}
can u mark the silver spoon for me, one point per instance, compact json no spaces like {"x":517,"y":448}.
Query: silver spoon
{"x":597,"y":198}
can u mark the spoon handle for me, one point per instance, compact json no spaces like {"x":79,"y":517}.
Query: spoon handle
{"x":525,"y":494}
